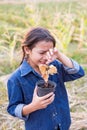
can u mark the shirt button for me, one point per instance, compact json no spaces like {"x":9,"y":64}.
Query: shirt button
{"x":54,"y":115}
{"x":59,"y":124}
{"x":56,"y":127}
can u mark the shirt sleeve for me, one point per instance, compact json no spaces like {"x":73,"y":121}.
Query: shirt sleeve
{"x":15,"y":98}
{"x":72,"y":70}
{"x":18,"y":112}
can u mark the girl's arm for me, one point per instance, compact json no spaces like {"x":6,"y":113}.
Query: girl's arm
{"x":70,"y":69}
{"x":65,"y":60}
{"x":16,"y":106}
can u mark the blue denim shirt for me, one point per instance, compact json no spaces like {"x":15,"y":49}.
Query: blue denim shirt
{"x":20,"y":92}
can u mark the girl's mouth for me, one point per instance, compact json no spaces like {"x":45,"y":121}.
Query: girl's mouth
{"x":43,"y":62}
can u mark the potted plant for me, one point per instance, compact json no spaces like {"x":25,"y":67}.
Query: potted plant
{"x":46,"y":86}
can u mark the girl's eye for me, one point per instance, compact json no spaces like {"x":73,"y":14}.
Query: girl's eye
{"x":42,"y":53}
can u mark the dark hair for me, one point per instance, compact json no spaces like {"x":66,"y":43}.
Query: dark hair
{"x":35,"y":35}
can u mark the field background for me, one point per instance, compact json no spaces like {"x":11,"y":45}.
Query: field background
{"x":67,"y":21}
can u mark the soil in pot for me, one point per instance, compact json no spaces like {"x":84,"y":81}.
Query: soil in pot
{"x":45,"y":88}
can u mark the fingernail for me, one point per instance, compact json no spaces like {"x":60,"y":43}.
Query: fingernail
{"x":51,"y":51}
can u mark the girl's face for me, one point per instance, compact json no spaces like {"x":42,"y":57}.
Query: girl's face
{"x":38,"y":55}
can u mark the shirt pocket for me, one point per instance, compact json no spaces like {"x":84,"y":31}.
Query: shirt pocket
{"x":28,"y":98}
{"x":28,"y":90}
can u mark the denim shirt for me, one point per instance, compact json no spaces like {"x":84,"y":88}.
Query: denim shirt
{"x":21,"y":86}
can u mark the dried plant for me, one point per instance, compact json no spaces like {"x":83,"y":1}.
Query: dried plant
{"x":46,"y":71}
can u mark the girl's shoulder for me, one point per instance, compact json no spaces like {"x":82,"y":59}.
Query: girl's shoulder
{"x":15,"y":74}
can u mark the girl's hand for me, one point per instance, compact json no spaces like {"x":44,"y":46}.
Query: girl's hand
{"x":52,"y":55}
{"x":42,"y":102}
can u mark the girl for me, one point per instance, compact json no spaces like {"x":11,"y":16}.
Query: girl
{"x":49,"y":112}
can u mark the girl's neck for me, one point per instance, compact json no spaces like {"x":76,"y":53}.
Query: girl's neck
{"x":36,"y":68}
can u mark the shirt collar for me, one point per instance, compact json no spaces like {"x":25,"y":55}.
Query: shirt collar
{"x":25,"y":68}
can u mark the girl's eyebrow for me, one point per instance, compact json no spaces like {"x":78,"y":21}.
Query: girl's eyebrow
{"x":42,"y":51}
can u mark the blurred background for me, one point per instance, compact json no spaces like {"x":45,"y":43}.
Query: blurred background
{"x":67,"y":21}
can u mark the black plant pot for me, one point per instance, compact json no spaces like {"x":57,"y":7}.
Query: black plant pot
{"x":45,"y":88}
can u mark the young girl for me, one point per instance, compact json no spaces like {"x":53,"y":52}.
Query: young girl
{"x":49,"y":112}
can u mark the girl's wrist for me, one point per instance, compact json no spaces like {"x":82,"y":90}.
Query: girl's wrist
{"x":27,"y":109}
{"x":33,"y":106}
{"x":64,"y":60}
{"x":59,"y":55}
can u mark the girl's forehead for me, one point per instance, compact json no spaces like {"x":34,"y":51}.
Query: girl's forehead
{"x":44,"y":44}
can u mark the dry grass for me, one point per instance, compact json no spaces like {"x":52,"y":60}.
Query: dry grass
{"x":77,"y":92}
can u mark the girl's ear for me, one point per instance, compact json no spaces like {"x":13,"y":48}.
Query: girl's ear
{"x":26,"y":49}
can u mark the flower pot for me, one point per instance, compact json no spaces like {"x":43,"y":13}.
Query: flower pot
{"x":43,"y":88}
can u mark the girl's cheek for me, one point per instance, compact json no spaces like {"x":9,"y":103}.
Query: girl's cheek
{"x":39,"y":56}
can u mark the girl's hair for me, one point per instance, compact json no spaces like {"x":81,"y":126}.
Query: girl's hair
{"x":34,"y":36}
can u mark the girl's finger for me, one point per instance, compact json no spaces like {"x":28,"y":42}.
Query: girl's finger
{"x":48,"y":61}
{"x":48,"y":55}
{"x":49,"y":100}
{"x":47,"y":96}
{"x":51,"y":51}
{"x":55,"y":49}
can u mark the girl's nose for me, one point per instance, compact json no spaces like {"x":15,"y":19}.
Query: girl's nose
{"x":45,"y":57}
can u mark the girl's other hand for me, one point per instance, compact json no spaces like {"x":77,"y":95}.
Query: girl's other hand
{"x":52,"y":55}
